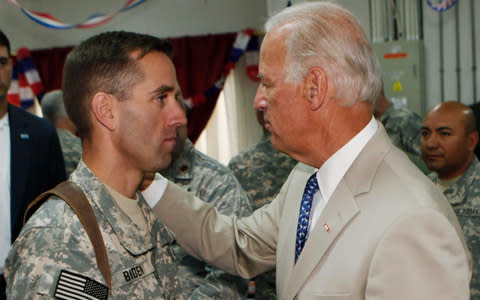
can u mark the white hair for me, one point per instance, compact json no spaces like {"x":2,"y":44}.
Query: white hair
{"x":326,"y":35}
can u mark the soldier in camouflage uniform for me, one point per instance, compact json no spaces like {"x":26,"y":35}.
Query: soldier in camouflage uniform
{"x":448,"y":141}
{"x":402,"y":125}
{"x":214,"y":183}
{"x":141,"y":261}
{"x":71,"y":149}
{"x":272,"y":166}
{"x":53,"y":109}
{"x":121,"y":91}
{"x":403,"y":128}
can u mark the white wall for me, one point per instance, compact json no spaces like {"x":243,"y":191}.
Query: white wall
{"x":432,"y":38}
{"x":164,"y":18}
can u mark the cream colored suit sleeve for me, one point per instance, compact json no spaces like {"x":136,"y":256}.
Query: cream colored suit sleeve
{"x":244,"y":247}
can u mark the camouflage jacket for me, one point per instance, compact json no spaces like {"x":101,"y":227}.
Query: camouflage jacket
{"x":265,"y":162}
{"x":71,"y":149}
{"x":215,"y":184}
{"x":464,"y":196}
{"x":403,"y":127}
{"x":54,"y":243}
{"x":272,"y":166}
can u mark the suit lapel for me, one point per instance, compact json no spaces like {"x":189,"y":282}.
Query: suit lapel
{"x":338,"y":212}
{"x":20,"y":158}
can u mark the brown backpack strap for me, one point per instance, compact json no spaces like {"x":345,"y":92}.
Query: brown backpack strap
{"x":75,"y":198}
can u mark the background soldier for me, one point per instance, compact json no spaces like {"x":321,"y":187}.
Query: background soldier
{"x":53,"y":109}
{"x":401,"y":124}
{"x":449,"y":138}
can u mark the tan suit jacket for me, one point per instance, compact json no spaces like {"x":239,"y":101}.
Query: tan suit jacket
{"x":386,"y":233}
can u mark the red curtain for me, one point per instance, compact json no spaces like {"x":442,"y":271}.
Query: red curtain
{"x":49,"y":64}
{"x":199,"y":61}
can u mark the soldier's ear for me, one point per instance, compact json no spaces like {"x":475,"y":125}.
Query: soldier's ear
{"x":472,"y":140}
{"x":103,"y":110}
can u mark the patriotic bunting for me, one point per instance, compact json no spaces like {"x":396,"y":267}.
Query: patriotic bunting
{"x":442,"y":6}
{"x":241,"y":43}
{"x":49,"y":21}
{"x":252,"y":57}
{"x":26,"y":83}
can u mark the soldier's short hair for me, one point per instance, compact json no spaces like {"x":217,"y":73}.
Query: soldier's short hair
{"x":104,"y":63}
{"x":4,"y":41}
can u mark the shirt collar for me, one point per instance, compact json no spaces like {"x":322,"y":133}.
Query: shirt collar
{"x":333,"y":170}
{"x":4,"y":121}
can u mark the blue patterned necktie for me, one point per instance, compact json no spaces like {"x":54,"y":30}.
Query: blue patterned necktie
{"x":302,"y":228}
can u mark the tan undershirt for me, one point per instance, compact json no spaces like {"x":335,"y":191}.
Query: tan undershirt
{"x":445,"y":184}
{"x":129,"y":207}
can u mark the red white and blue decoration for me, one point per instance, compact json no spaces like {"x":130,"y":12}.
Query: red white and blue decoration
{"x":26,"y":83}
{"x":94,"y":20}
{"x":441,"y":6}
{"x":252,"y":55}
{"x":239,"y":47}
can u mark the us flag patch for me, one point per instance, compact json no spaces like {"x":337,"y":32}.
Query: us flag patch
{"x":71,"y":286}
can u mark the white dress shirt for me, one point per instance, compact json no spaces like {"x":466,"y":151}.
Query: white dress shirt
{"x":5,"y":232}
{"x":155,"y":191}
{"x":333,"y":170}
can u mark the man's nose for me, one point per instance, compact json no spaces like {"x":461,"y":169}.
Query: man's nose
{"x":431,"y":141}
{"x":177,"y":115}
{"x":260,"y":101}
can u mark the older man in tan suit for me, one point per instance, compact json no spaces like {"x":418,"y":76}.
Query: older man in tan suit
{"x":356,"y":219}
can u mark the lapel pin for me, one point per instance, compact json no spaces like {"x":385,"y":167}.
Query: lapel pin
{"x":327,"y":228}
{"x":24,"y":136}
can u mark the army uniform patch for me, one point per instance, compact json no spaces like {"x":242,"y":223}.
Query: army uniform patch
{"x":71,"y":286}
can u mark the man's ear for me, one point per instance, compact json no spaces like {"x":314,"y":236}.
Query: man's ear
{"x":103,"y":109}
{"x":316,"y":86}
{"x":472,"y":140}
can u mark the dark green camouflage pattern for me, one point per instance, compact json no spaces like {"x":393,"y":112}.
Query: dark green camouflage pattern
{"x":54,"y":239}
{"x":262,"y":170}
{"x":71,"y":149}
{"x":403,"y":127}
{"x":464,"y":196}
{"x":214,"y":183}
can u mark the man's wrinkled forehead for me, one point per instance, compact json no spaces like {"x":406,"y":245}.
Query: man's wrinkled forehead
{"x":273,"y":51}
